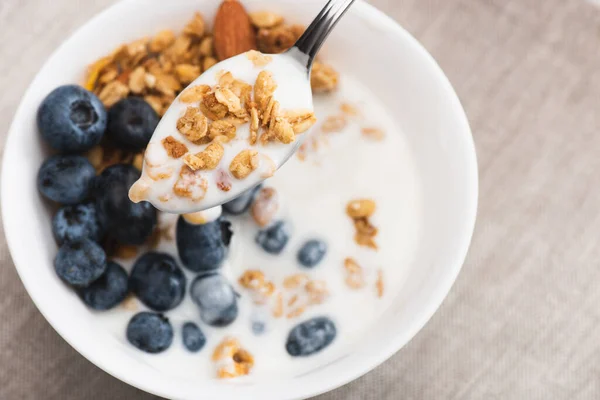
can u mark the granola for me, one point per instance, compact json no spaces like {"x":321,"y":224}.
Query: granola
{"x":360,"y":210}
{"x":231,"y":359}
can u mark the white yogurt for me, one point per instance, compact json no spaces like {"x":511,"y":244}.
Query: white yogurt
{"x":293,"y":93}
{"x":315,"y":192}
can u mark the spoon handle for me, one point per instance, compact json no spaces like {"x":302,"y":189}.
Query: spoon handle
{"x":311,"y":41}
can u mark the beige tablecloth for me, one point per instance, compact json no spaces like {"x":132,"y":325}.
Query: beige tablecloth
{"x":523,"y":320}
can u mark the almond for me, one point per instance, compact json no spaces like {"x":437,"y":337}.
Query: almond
{"x":233,"y":32}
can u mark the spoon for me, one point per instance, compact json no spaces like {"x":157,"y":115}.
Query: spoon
{"x":172,"y":185}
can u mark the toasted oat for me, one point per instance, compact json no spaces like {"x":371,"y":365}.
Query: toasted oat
{"x":137,"y":80}
{"x":258,"y":59}
{"x":161,"y":41}
{"x":207,"y":159}
{"x":254,"y":125}
{"x":265,"y":206}
{"x":156,"y":103}
{"x":265,"y":19}
{"x":222,"y":128}
{"x":317,"y":291}
{"x":300,"y":120}
{"x":349,"y":109}
{"x":187,"y":73}
{"x":207,"y":47}
{"x":296,"y":312}
{"x":112,"y":93}
{"x":264,"y":88}
{"x":379,"y":284}
{"x":244,"y":163}
{"x":283,"y":131}
{"x":334,"y":123}
{"x":196,"y":26}
{"x":225,"y":79}
{"x":193,"y":124}
{"x":194,"y":94}
{"x":208,"y":62}
{"x":278,"y":306}
{"x":365,"y":232}
{"x":360,"y":208}
{"x":278,"y":39}
{"x":269,"y":113}
{"x":323,"y":78}
{"x":355,"y":277}
{"x":231,"y":359}
{"x":174,"y":148}
{"x":374,"y":134}
{"x":226,"y":97}
{"x":295,"y":281}
{"x":190,"y":184}
{"x":212,"y":108}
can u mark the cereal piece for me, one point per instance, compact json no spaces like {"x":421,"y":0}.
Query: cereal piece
{"x":243,"y":90}
{"x":244,"y":163}
{"x":268,"y":166}
{"x":187,"y":73}
{"x":223,"y":181}
{"x":126,"y":252}
{"x":156,"y":103}
{"x":278,"y":39}
{"x":194,"y":94}
{"x":190,"y":184}
{"x":196,"y":26}
{"x":374,"y":134}
{"x":301,"y":120}
{"x":283,"y":131}
{"x":264,"y":88}
{"x":159,"y":173}
{"x":112,"y":93}
{"x":193,"y":124}
{"x":334,"y":123}
{"x":167,"y":84}
{"x":265,"y":19}
{"x":379,"y":284}
{"x":270,"y":112}
{"x":212,"y":108}
{"x":292,"y":300}
{"x":222,"y":128}
{"x":296,"y":312}
{"x":252,"y":279}
{"x":278,"y":306}
{"x":254,"y":125}
{"x":265,"y":206}
{"x":354,"y":274}
{"x":349,"y":109}
{"x":317,"y":291}
{"x":228,"y":98}
{"x":208,"y":62}
{"x":174,"y":148}
{"x":295,"y":281}
{"x":232,"y":360}
{"x":209,"y":158}
{"x":139,"y":191}
{"x":207,"y":47}
{"x":360,"y":208}
{"x":161,"y":41}
{"x":258,"y":59}
{"x":130,"y":303}
{"x":323,"y":78}
{"x":137,"y":80}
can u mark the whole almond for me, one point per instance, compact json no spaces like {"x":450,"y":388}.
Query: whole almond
{"x":233,"y":32}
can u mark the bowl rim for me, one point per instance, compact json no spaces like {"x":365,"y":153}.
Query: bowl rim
{"x":369,"y":361}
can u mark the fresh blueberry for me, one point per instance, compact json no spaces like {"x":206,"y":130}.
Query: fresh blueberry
{"x":274,"y":238}
{"x":80,"y":263}
{"x":242,"y":203}
{"x":216,"y":298}
{"x":193,"y":338}
{"x":131,"y":123}
{"x":77,"y":222}
{"x":157,"y":281}
{"x":258,"y":327}
{"x":202,"y":247}
{"x":125,"y":221}
{"x":71,"y":119}
{"x":312,"y":252}
{"x":66,"y":179}
{"x":150,"y":332}
{"x":310,"y":337}
{"x":107,"y":291}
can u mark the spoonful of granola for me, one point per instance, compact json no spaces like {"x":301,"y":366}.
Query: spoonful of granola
{"x":235,"y":125}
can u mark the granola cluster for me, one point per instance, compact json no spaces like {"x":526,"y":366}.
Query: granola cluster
{"x":356,"y":278}
{"x":231,"y":360}
{"x":360,"y":211}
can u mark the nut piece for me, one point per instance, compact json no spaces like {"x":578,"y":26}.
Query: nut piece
{"x":194,"y":94}
{"x":222,"y":128}
{"x":265,"y":19}
{"x":355,"y":277}
{"x":231,"y":359}
{"x":193,"y":125}
{"x":209,"y":158}
{"x":244,"y":163}
{"x":190,"y":184}
{"x":265,"y":206}
{"x":212,"y":108}
{"x":323,"y":78}
{"x":361,"y":208}
{"x":233,"y":31}
{"x":174,"y":148}
{"x":258,"y":59}
{"x":263,"y":89}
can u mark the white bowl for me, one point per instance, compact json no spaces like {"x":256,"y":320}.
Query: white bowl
{"x":366,"y":44}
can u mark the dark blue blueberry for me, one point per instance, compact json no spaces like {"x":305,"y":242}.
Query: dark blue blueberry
{"x":312,"y":252}
{"x":71,"y":119}
{"x":242,"y":203}
{"x":107,"y":291}
{"x":125,"y":221}
{"x":80,"y":263}
{"x":274,"y":238}
{"x":157,"y":281}
{"x":202,"y":247}
{"x":216,"y":298}
{"x":150,"y":332}
{"x":258,"y":327}
{"x":66,"y":179}
{"x":310,"y":337}
{"x":131,"y":123}
{"x":193,"y":338}
{"x":77,"y":222}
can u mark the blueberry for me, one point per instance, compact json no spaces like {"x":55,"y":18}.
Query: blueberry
{"x":80,"y":263}
{"x":193,"y":338}
{"x":216,"y":298}
{"x":258,"y":327}
{"x":77,"y":222}
{"x":107,"y":291}
{"x":150,"y":332}
{"x":310,"y":337}
{"x":157,"y":281}
{"x":274,"y":238}
{"x":312,"y":252}
{"x":202,"y":248}
{"x":242,"y":203}
{"x":125,"y":221}
{"x":71,"y":119}
{"x":131,"y":123}
{"x":66,"y":179}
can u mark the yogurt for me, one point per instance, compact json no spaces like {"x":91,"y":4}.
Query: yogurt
{"x":230,"y":129}
{"x":335,"y":168}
